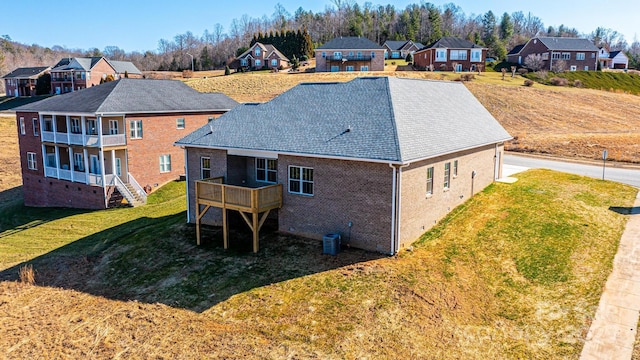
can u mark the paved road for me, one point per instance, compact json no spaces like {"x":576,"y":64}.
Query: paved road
{"x":630,"y":176}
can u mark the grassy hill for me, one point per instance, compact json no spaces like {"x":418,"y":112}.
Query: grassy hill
{"x":618,"y":82}
{"x":516,"y":272}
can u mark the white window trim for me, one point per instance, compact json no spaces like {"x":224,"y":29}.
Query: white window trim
{"x":36,"y":126}
{"x":23,"y":129}
{"x":447,"y":176}
{"x":178,"y":123}
{"x":165,"y":163}
{"x":202,"y":168}
{"x":455,"y":169}
{"x":430,"y":171}
{"x":267,"y":171}
{"x":135,"y":132}
{"x":300,"y":181}
{"x":31,"y":161}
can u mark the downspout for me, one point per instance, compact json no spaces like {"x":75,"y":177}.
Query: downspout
{"x":393,"y":208}
{"x":186,"y":178}
{"x":396,"y":207}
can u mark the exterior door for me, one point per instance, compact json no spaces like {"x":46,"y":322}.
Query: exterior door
{"x":118,"y":167}
{"x":459,"y":68}
{"x":94,"y":165}
{"x":113,"y":127}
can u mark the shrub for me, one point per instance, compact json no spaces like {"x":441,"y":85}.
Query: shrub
{"x":542,"y":74}
{"x":27,"y":275}
{"x":523,"y":71}
{"x":556,"y":81}
{"x":577,"y":83}
{"x":528,"y":82}
{"x":227,"y":71}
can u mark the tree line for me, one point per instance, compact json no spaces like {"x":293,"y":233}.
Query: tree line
{"x":423,"y":22}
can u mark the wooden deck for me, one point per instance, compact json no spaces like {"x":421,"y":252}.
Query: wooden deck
{"x":250,"y":202}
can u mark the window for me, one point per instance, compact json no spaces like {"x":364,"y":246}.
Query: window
{"x":373,"y":54}
{"x":180,"y":123}
{"x":257,"y":51}
{"x":545,"y":56}
{"x":350,"y":68}
{"x":455,"y":168}
{"x":441,"y":55}
{"x":351,"y":54}
{"x":113,"y":127}
{"x":566,"y":56}
{"x":23,"y":130}
{"x":267,"y":170}
{"x":274,"y":62}
{"x":48,"y":124}
{"x":335,"y":68}
{"x":593,"y":55}
{"x":580,"y":56}
{"x":476,"y":55}
{"x":360,"y":55}
{"x":364,"y":68}
{"x":78,"y":76}
{"x":135,"y":131}
{"x":36,"y":127}
{"x":586,"y":68}
{"x":75,"y":126}
{"x":430,"y":180}
{"x":555,"y":56}
{"x":205,"y":167}
{"x":258,"y":63}
{"x":78,"y":162}
{"x":458,"y":54}
{"x":243,"y":62}
{"x":165,"y":163}
{"x":324,"y":54}
{"x":31,"y":161}
{"x":300,"y":180}
{"x":395,"y":54}
{"x":447,"y":175}
{"x":337,"y":55}
{"x":92,"y":128}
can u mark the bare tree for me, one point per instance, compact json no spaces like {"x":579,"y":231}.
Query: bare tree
{"x":534,"y":62}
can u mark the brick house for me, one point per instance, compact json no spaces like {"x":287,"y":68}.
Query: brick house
{"x":573,"y":53}
{"x":90,"y":148}
{"x":261,"y":56}
{"x":71,"y":74}
{"x":450,"y":54}
{"x":400,"y":49}
{"x":379,"y":160}
{"x":22,"y":81}
{"x":349,"y":54}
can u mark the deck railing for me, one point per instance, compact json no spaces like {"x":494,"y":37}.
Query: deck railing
{"x":213,"y":192}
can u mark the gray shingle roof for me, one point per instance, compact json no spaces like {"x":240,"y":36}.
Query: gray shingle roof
{"x":127,"y":96}
{"x":569,"y":44}
{"x":395,"y":45}
{"x":353,"y":42}
{"x":26,"y":72}
{"x":78,"y":63}
{"x":452,"y":42}
{"x":516,"y":49}
{"x":122,"y":66}
{"x":388,"y":119}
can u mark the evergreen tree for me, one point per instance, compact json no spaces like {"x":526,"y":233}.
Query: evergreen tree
{"x":506,"y":27}
{"x":436,"y":24}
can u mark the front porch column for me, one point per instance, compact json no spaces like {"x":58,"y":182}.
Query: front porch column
{"x":83,"y":128}
{"x":113,"y":163}
{"x":57,"y":162}
{"x":86,"y":165}
{"x":68,"y":130}
{"x":99,"y":125}
{"x":101,"y":158}
{"x":71,"y":167}
{"x":44,"y":159}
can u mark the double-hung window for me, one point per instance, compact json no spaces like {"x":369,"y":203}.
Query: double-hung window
{"x":165,"y":163}
{"x":23,"y":130}
{"x":274,"y":62}
{"x":300,"y":180}
{"x":31,"y":161}
{"x":580,"y":56}
{"x":337,"y":55}
{"x":76,"y":127}
{"x":113,"y":127}
{"x":78,"y":162}
{"x":429,"y":180}
{"x":566,"y":56}
{"x":180,"y":123}
{"x":447,"y":175}
{"x":267,"y":170}
{"x":36,"y":127}
{"x":135,"y":129}
{"x":205,"y":167}
{"x":555,"y":56}
{"x":455,"y":168}
{"x":258,"y":63}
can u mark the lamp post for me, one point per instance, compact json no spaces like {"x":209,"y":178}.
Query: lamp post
{"x":191,"y":61}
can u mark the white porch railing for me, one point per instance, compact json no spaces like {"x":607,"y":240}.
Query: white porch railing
{"x":84,"y":140}
{"x":80,"y":177}
{"x":113,"y":140}
{"x":123,"y":190}
{"x":50,"y":171}
{"x":139,"y":190}
{"x":64,"y":174}
{"x":95,"y":179}
{"x":76,"y":139}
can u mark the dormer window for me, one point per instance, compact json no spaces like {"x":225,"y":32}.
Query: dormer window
{"x":257,"y":51}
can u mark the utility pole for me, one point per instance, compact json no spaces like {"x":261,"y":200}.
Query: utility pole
{"x":191,"y":61}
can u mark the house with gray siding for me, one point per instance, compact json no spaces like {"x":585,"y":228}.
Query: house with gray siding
{"x":378,"y":160}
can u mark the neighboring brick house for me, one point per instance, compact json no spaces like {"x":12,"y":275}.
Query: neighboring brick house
{"x":89,"y":148}
{"x":450,"y":54}
{"x":613,"y":59}
{"x":573,"y":53}
{"x":23,"y":81}
{"x":400,"y":49}
{"x":261,"y":56}
{"x":349,"y":54}
{"x":379,"y":160}
{"x":72,"y":74}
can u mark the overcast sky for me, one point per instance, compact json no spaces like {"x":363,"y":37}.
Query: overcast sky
{"x":137,"y":25}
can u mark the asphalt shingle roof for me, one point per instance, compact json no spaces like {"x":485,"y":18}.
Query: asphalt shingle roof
{"x":380,"y":119}
{"x":516,"y":49}
{"x":122,"y":66}
{"x":134,"y":96}
{"x":395,"y":45}
{"x":353,"y":42}
{"x":565,"y":43}
{"x":26,"y":72}
{"x":452,"y":42}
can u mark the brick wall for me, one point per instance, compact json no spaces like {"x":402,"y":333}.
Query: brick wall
{"x":159,"y":134}
{"x":537,"y":47}
{"x":428,"y":57}
{"x":218,"y":168}
{"x":419,"y":211}
{"x":376,"y":64}
{"x":344,"y":191}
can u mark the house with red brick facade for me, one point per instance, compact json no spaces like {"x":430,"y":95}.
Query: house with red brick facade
{"x":378,"y":160}
{"x":72,"y":74}
{"x":23,"y":81}
{"x":261,"y":56}
{"x":450,"y":54}
{"x":93,"y":148}
{"x":349,"y":54}
{"x":558,"y":53}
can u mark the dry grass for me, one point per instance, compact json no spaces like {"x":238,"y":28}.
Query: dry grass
{"x":27,"y":275}
{"x":10,"y":175}
{"x":565,"y":122}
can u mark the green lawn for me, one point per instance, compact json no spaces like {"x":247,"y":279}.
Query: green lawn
{"x":515,"y":272}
